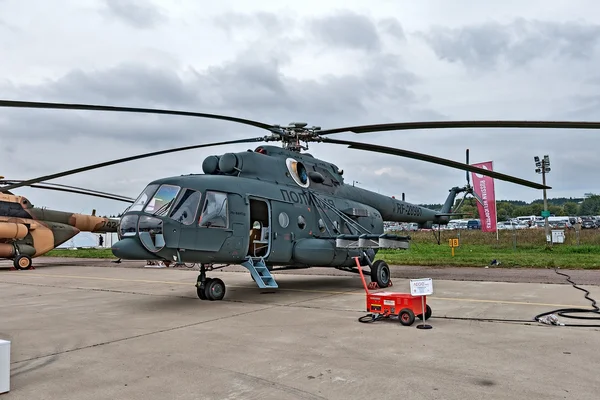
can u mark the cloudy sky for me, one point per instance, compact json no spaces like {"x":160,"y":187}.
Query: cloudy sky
{"x":332,"y":64}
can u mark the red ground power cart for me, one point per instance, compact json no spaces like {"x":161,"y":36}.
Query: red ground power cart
{"x":385,"y":304}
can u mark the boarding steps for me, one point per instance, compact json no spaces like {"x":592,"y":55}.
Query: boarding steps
{"x":260,"y":273}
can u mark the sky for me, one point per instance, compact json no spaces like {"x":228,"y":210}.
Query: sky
{"x":330,"y":64}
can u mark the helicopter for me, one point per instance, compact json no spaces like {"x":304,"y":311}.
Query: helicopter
{"x":27,"y":231}
{"x":275,"y":206}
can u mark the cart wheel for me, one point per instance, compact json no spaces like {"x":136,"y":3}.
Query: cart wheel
{"x":406,"y":317}
{"x":380,"y":273}
{"x":427,"y":313}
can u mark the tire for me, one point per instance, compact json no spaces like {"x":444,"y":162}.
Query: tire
{"x":215,"y":289}
{"x":427,"y":313}
{"x":22,"y":262}
{"x":202,"y":291}
{"x":380,"y":273}
{"x":406,"y":317}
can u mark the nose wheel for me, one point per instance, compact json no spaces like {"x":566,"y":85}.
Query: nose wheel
{"x":209,"y":288}
{"x":22,"y":262}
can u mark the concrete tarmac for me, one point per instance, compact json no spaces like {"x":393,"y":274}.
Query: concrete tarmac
{"x":92,"y":332}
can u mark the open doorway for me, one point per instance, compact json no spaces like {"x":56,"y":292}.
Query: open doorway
{"x":260,"y":238}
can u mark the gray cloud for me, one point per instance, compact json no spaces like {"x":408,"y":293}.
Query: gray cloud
{"x":136,"y":13}
{"x":347,"y":29}
{"x":517,"y":43}
{"x":266,"y":22}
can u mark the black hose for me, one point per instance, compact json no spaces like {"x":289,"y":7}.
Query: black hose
{"x":563,"y":311}
{"x":370,"y":318}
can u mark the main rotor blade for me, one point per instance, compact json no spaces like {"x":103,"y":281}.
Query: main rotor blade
{"x":436,"y":160}
{"x":93,"y":107}
{"x":71,"y":189}
{"x":122,"y":160}
{"x":463,"y":124}
{"x":42,"y":186}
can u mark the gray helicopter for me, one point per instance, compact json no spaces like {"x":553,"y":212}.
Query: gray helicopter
{"x":275,"y":206}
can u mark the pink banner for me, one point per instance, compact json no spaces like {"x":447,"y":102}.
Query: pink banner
{"x":484,"y":188}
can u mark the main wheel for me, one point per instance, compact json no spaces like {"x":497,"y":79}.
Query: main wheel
{"x":427,"y":313}
{"x":406,"y":317}
{"x":22,"y":261}
{"x":380,"y":273}
{"x":215,"y":289}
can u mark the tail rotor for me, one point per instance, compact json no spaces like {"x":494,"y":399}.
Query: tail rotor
{"x":468,"y":189}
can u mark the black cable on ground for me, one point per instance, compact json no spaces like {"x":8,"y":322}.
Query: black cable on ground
{"x":563,"y":311}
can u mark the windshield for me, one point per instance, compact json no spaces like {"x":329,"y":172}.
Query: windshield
{"x":162,"y":200}
{"x":142,"y":199}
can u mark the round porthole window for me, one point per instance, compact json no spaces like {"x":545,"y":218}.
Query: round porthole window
{"x":301,"y":222}
{"x":284,"y":220}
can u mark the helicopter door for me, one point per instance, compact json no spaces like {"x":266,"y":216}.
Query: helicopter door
{"x":184,"y":215}
{"x":259,"y":235}
{"x":282,"y":237}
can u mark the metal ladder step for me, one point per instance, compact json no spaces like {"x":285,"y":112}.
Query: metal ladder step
{"x":261,"y":274}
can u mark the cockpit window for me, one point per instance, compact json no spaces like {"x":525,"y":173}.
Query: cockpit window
{"x":142,"y":199}
{"x":162,"y":200}
{"x":185,"y":210}
{"x":214,"y":212}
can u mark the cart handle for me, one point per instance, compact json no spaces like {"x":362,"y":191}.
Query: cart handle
{"x":362,"y":277}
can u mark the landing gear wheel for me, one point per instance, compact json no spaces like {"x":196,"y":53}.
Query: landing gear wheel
{"x":215,"y":289}
{"x":427,"y":313}
{"x":22,"y":262}
{"x":406,"y":317}
{"x":202,"y":290}
{"x":380,"y":273}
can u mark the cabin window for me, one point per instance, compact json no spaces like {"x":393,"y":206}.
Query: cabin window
{"x":162,"y":200}
{"x":185,"y":209}
{"x":284,"y":220}
{"x":142,"y":199}
{"x":128,"y":226}
{"x":321,"y":225}
{"x":214,"y":212}
{"x":301,"y":222}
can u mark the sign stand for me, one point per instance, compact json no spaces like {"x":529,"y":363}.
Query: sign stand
{"x":4,"y":366}
{"x":422,"y":287}
{"x":453,"y":243}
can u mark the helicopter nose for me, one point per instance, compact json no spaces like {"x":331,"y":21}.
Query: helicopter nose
{"x":130,"y":248}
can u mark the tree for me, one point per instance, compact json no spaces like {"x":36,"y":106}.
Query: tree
{"x":590,"y":206}
{"x":571,"y":208}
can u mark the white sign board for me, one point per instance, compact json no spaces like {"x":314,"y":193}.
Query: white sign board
{"x":4,"y":366}
{"x":421,"y":287}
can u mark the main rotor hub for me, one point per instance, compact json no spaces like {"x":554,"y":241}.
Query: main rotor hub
{"x":294,"y":134}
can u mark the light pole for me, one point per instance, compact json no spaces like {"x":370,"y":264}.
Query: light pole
{"x":543,"y":167}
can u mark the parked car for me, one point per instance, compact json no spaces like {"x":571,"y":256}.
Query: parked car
{"x":588,"y":223}
{"x":474,"y":224}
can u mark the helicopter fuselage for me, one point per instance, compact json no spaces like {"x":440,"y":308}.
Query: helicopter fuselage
{"x":30,"y":231}
{"x":285,"y":207}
